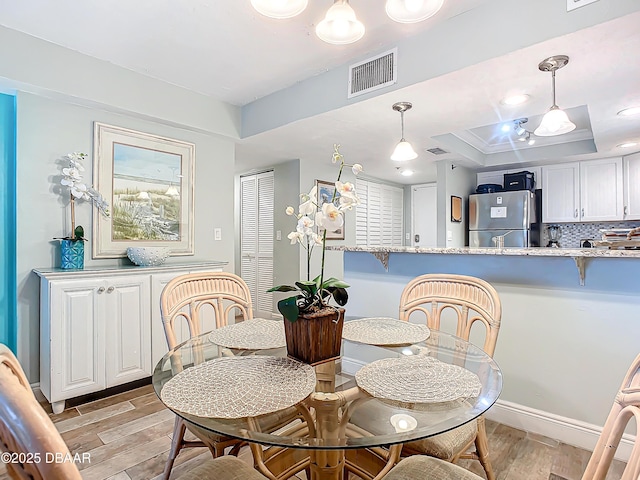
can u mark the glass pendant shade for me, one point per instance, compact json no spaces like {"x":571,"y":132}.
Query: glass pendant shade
{"x":279,"y":8}
{"x":340,"y":26}
{"x":412,"y":11}
{"x":555,"y":122}
{"x":403,"y":151}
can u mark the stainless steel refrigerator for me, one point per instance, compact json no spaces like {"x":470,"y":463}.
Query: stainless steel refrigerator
{"x":513,"y":215}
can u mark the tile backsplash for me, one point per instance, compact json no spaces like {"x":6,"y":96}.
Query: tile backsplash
{"x":572,"y":233}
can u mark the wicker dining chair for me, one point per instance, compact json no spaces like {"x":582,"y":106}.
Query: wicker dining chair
{"x":470,"y":300}
{"x":186,"y":297}
{"x":26,"y":431}
{"x":625,"y":406}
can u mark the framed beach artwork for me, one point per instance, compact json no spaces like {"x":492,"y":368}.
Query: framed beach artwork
{"x":148,"y":182}
{"x":325,"y":194}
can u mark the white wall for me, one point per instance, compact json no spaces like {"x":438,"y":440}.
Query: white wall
{"x":60,"y":93}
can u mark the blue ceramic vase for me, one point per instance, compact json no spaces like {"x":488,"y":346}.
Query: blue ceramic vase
{"x":72,"y":254}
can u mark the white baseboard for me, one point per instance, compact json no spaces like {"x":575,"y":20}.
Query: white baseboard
{"x":566,"y":430}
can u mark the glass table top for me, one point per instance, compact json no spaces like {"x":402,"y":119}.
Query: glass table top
{"x":338,"y":414}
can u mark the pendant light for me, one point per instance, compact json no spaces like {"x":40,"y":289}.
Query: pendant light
{"x":555,"y":121}
{"x":404,"y":150}
{"x":279,"y":8}
{"x":412,"y":11}
{"x":340,"y":25}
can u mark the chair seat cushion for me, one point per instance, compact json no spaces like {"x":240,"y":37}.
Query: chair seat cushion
{"x":445,"y":445}
{"x":223,"y":468}
{"x":428,"y":468}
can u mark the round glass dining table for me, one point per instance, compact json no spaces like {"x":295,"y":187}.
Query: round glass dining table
{"x":339,"y":418}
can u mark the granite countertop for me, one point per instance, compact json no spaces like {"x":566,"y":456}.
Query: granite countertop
{"x":532,"y":251}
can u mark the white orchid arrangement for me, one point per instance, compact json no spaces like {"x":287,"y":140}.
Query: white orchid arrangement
{"x":314,"y":294}
{"x":72,"y":178}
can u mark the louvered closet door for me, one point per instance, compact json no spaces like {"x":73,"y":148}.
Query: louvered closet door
{"x":256,"y":238}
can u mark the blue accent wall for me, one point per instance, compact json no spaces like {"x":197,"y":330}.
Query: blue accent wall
{"x":8,"y":319}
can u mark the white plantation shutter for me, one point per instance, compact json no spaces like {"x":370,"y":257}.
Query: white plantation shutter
{"x":379,"y":217}
{"x":264,"y":265}
{"x":256,"y":239}
{"x":249,"y":233}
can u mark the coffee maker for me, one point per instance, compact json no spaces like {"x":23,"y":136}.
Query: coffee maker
{"x":554,"y":233}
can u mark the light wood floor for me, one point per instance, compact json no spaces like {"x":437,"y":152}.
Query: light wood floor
{"x":128,"y":436}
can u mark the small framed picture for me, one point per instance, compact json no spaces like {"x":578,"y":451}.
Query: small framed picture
{"x":456,"y":209}
{"x":325,"y":192}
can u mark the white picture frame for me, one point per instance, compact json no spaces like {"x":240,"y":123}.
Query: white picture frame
{"x":148,"y":181}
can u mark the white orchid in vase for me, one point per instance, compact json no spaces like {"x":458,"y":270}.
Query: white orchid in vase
{"x":328,"y":216}
{"x":72,"y":178}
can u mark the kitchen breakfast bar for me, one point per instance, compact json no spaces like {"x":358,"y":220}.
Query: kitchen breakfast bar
{"x":570,"y":324}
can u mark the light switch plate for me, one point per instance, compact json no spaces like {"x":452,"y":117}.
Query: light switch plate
{"x":573,"y":4}
{"x":279,"y":235}
{"x":217,"y":234}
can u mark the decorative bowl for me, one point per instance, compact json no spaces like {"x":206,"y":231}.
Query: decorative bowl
{"x":148,"y":256}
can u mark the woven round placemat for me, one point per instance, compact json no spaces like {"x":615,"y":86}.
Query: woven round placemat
{"x":254,"y":334}
{"x":417,"y":379}
{"x":236,"y":387}
{"x":384,"y":331}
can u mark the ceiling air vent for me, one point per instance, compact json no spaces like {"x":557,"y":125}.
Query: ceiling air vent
{"x":373,"y":73}
{"x":437,"y":151}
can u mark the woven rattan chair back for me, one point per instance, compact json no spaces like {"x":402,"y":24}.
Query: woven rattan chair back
{"x":625,"y":407}
{"x":472,"y":299}
{"x":27,"y":432}
{"x":187,"y":295}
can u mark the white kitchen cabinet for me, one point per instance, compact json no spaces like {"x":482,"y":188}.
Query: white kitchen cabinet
{"x":601,"y":198}
{"x":589,"y":191}
{"x":101,"y":328}
{"x":631,"y":166}
{"x":561,"y":193}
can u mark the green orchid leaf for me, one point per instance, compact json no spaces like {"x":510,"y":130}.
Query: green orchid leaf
{"x":334,"y":282}
{"x":308,"y":287}
{"x":341,"y":296}
{"x":288,"y":307}
{"x":282,"y":288}
{"x":78,"y":233}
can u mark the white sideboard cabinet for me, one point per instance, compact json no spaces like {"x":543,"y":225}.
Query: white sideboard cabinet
{"x":102,"y":327}
{"x":589,"y":191}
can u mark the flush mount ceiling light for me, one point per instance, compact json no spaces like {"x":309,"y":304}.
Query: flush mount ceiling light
{"x":412,"y":11}
{"x":340,"y":25}
{"x":555,"y":121}
{"x":513,"y":100}
{"x":627,"y":112}
{"x":404,"y":150}
{"x":405,"y":172}
{"x":279,"y":8}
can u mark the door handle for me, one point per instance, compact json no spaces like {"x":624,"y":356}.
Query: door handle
{"x":583,"y":212}
{"x":101,"y":290}
{"x":110,"y":289}
{"x":625,"y":210}
{"x":576,"y":214}
{"x":416,"y":238}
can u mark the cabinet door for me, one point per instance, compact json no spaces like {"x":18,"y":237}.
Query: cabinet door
{"x":561,"y":193}
{"x":632,"y":187}
{"x":601,"y":196}
{"x":77,"y":340}
{"x":126,"y":318}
